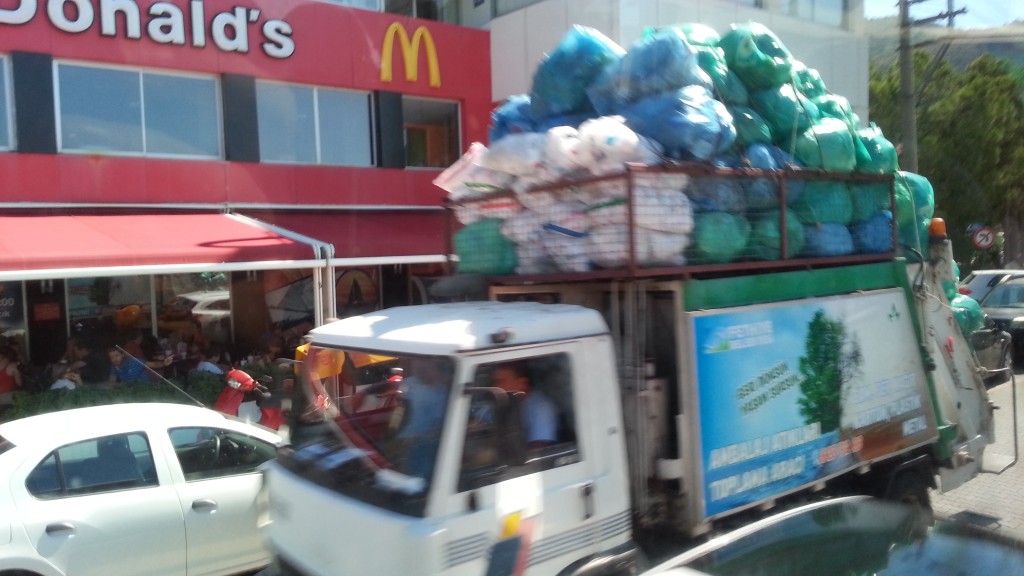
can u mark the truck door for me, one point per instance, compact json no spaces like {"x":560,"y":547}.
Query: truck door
{"x":536,"y":509}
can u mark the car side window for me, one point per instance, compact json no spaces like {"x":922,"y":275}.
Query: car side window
{"x":214,"y":452}
{"x":107,"y":464}
{"x":540,"y":395}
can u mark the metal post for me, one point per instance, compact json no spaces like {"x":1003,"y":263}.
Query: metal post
{"x":908,"y":113}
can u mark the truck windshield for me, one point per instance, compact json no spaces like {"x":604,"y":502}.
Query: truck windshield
{"x":369,"y":425}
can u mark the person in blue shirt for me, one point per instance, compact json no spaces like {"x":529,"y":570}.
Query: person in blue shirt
{"x":539,"y":413}
{"x":124,"y":368}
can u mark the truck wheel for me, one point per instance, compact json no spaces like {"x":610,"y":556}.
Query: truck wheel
{"x":912,"y":490}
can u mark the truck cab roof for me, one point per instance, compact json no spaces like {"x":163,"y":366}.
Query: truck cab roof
{"x":460,"y":327}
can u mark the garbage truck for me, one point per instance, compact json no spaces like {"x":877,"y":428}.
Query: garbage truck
{"x":657,"y":401}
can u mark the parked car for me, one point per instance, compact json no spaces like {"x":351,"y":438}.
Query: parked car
{"x":126,"y":489}
{"x":852,"y":535}
{"x":979,"y":283}
{"x":1004,"y":306}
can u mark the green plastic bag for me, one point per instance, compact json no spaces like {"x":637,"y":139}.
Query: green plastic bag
{"x":827,"y":145}
{"x":751,"y":128}
{"x":825,"y":202}
{"x":699,"y":34}
{"x":869,"y":198}
{"x":719,"y":236}
{"x":757,"y":56}
{"x":786,"y":110}
{"x":875,"y":155}
{"x":808,"y":81}
{"x":836,"y":106}
{"x":968,"y":313}
{"x":728,"y":87}
{"x":766,"y":241}
{"x":483,"y":249}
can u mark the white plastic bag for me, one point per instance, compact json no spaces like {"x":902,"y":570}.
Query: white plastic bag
{"x":467,"y":178}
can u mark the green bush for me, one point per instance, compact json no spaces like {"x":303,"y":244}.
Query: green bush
{"x":204,"y":387}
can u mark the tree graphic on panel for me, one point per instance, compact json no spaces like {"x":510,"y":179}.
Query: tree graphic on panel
{"x":832,"y":359}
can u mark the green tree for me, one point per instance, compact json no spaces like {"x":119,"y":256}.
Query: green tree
{"x":970,"y":143}
{"x":831,"y":360}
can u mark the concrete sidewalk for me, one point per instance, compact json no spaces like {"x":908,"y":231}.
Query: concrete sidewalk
{"x":994,"y":500}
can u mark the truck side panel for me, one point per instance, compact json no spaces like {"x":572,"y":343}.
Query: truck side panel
{"x":795,"y":392}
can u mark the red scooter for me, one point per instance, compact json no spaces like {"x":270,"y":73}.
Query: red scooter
{"x":246,"y":398}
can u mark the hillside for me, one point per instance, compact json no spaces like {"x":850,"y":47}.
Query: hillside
{"x":1006,"y":42}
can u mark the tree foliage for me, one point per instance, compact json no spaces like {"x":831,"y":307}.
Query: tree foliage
{"x":970,"y":127}
{"x":830,"y":361}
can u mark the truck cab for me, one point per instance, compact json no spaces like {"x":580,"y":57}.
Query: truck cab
{"x":403,"y":433}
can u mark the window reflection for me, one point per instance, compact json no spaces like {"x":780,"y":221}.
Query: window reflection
{"x":431,"y":132}
{"x":312,"y":125}
{"x":127,"y":111}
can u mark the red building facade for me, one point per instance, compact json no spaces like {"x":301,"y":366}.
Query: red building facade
{"x":280,"y":152}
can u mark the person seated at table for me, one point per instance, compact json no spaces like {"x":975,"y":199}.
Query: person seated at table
{"x":89,"y":360}
{"x":65,"y":377}
{"x":10,"y":374}
{"x":125,"y":369}
{"x":211,"y":359}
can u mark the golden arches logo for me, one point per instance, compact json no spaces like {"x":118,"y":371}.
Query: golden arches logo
{"x":410,"y":54}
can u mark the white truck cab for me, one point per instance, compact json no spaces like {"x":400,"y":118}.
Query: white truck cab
{"x":434,"y":469}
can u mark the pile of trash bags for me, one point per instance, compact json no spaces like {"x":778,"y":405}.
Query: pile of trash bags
{"x":681,"y":94}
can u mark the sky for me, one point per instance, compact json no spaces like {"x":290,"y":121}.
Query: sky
{"x":980,"y":13}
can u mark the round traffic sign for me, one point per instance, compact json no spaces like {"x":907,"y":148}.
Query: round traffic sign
{"x":983,"y":238}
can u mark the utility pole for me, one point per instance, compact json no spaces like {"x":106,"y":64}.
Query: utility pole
{"x":907,"y":99}
{"x":908,"y":112}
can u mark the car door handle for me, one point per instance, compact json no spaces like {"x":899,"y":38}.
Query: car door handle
{"x":204,"y":504}
{"x":59,"y":527}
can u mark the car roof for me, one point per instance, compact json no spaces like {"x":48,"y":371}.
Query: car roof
{"x":66,"y":425}
{"x":997,"y":271}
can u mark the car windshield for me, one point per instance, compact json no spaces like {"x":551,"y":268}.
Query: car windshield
{"x":369,"y":425}
{"x":1005,"y":295}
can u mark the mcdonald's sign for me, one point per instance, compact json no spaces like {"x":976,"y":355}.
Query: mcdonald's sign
{"x":410,"y":54}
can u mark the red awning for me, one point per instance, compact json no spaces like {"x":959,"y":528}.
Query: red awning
{"x":68,"y":246}
{"x":371,"y":237}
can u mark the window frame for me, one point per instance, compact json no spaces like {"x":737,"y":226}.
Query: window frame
{"x":318,"y":141}
{"x":140,"y":74}
{"x":210,"y":434}
{"x":418,"y":125}
{"x":66,"y":472}
{"x":7,"y":110}
{"x":565,"y":452}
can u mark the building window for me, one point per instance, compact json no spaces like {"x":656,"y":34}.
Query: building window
{"x":310,"y":125}
{"x":6,"y":137}
{"x":431,"y":132}
{"x":828,"y":12}
{"x":131,"y":112}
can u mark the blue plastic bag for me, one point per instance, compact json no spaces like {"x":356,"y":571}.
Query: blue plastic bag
{"x":512,"y":117}
{"x":688,"y":123}
{"x":563,"y":76}
{"x":658,"y":63}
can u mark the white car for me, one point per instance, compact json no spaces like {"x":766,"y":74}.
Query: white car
{"x":131,"y":489}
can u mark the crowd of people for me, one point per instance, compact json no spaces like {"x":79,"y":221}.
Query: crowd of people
{"x":132,"y":355}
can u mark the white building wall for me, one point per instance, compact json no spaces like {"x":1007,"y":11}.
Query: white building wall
{"x":519,"y":40}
